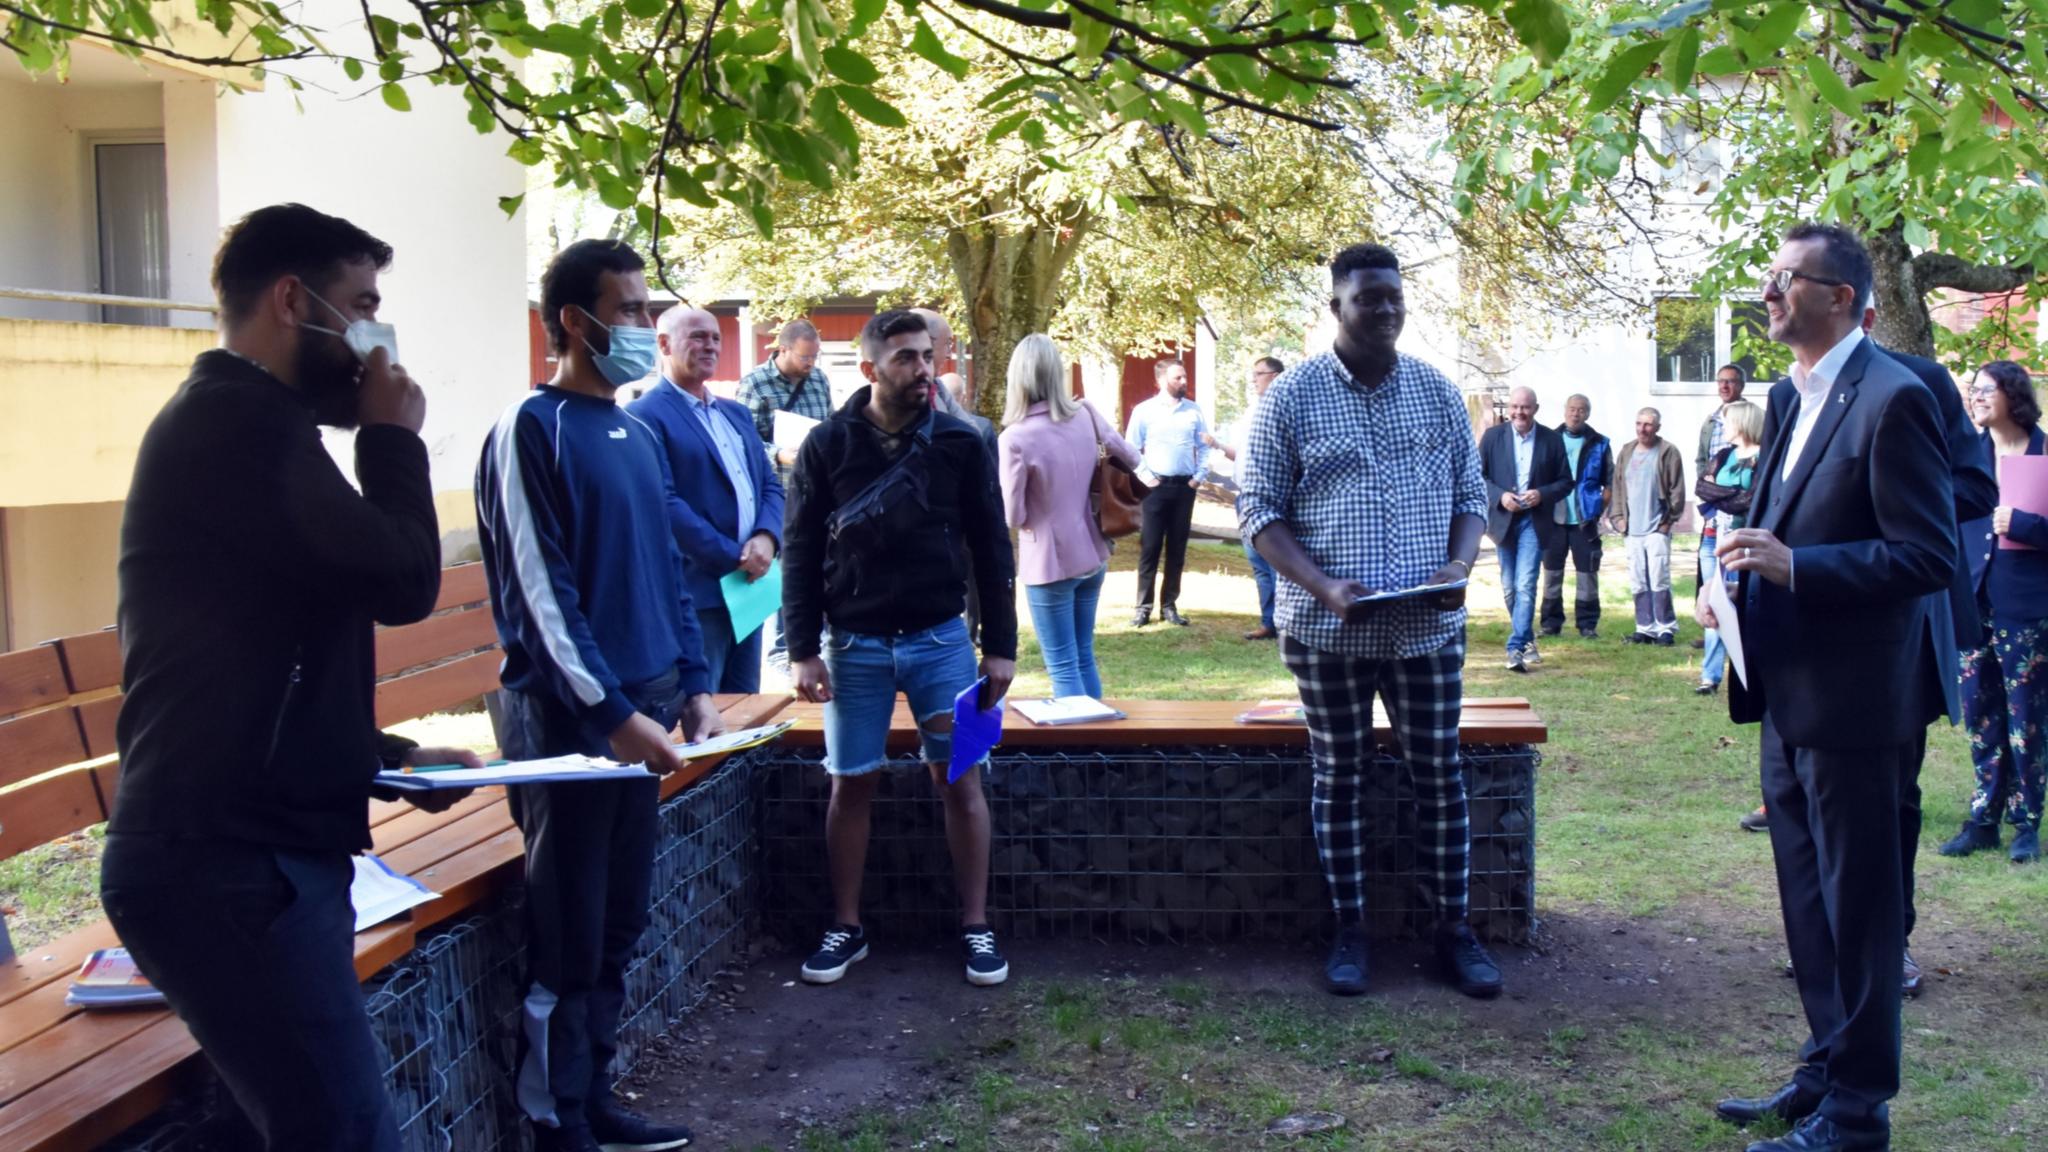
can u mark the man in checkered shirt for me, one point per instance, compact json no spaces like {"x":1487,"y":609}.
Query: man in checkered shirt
{"x":1364,"y":478}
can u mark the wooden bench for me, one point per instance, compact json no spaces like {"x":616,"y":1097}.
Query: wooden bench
{"x":71,"y":1079}
{"x":1151,"y":723}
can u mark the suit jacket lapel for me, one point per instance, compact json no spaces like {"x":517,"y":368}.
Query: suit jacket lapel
{"x":1829,"y":420}
{"x":683,"y":401}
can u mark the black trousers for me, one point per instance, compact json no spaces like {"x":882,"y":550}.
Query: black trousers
{"x":589,"y":873}
{"x":254,"y":948}
{"x":1164,"y":519}
{"x":1835,"y":836}
{"x":1582,"y":543}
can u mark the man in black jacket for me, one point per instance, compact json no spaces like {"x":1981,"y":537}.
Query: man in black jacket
{"x":875,"y":579}
{"x":1526,"y":476}
{"x":251,"y":573}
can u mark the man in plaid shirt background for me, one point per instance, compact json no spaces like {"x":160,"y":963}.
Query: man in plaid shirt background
{"x":1364,"y":478}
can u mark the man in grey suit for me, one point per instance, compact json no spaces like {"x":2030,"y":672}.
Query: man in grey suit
{"x":1852,"y":529}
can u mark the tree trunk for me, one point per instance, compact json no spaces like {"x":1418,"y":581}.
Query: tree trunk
{"x":1903,"y":322}
{"x":1009,"y":279}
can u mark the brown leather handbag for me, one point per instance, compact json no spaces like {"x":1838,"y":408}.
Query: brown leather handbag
{"x":1115,"y":492}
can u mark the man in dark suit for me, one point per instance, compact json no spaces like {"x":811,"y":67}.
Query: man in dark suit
{"x":726,"y":505}
{"x":1852,"y":531}
{"x":1526,"y":474}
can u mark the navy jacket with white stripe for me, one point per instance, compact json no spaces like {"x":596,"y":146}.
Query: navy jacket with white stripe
{"x":586,"y":580}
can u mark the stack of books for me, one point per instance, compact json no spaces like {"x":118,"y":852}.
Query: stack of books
{"x":109,"y":980}
{"x":1274,"y":712}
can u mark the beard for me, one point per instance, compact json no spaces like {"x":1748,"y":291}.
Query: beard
{"x":330,"y":378}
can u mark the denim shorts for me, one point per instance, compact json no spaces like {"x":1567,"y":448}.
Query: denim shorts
{"x":929,"y":668}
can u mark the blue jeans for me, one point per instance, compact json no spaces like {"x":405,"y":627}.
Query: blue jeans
{"x":1714,"y":661}
{"x":1063,"y":613}
{"x":1520,"y":559}
{"x":735,"y":666}
{"x":1263,"y":576}
{"x":929,"y":668}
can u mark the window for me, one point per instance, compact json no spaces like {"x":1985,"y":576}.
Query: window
{"x":1692,"y":338}
{"x":131,"y":217}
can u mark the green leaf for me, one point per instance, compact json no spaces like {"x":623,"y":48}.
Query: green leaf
{"x":926,"y":43}
{"x":1623,"y":69}
{"x":832,"y":121}
{"x":759,"y":42}
{"x":614,"y":192}
{"x":645,"y":9}
{"x":1233,"y":73}
{"x":1681,"y":58}
{"x":865,"y":13}
{"x":1722,"y":61}
{"x":1008,"y":124}
{"x":1776,"y":29}
{"x":510,"y":204}
{"x":680,"y":184}
{"x":1542,"y":25}
{"x":527,"y":150}
{"x":1916,"y":235}
{"x":1090,"y":37}
{"x":352,"y":68}
{"x":395,"y":97}
{"x":1830,"y":87}
{"x":868,"y":106}
{"x":851,"y":66}
{"x":1033,"y":132}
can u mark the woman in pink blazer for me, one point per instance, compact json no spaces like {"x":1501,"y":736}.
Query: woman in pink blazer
{"x":1048,"y":461}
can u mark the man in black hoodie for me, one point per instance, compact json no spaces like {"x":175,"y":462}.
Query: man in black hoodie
{"x":251,"y":574}
{"x":1578,"y":518}
{"x":883,"y":497}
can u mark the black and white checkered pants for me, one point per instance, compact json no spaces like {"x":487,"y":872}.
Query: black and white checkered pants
{"x":1423,"y":697}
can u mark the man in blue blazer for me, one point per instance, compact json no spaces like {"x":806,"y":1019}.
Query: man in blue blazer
{"x":726,"y":504}
{"x":1852,"y":532}
{"x":1527,"y":475}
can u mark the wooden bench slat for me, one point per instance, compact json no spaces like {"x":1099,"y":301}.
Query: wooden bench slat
{"x":396,"y":833}
{"x":92,"y":660}
{"x":437,"y":689}
{"x":31,"y":678}
{"x":435,"y":638}
{"x":78,"y":1038}
{"x":47,"y":809}
{"x":96,"y":719}
{"x":89,"y":1105}
{"x":462,"y":584}
{"x":33,"y":744}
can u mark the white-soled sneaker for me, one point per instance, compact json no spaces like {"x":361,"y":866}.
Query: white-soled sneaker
{"x":985,"y":964}
{"x":844,"y":945}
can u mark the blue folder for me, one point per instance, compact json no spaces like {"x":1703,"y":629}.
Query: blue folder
{"x":975,"y":731}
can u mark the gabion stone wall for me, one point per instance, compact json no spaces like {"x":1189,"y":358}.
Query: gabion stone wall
{"x":1172,"y":844}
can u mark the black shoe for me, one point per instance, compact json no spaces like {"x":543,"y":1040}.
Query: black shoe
{"x":985,"y":965}
{"x":1757,"y":819}
{"x":1464,"y":963}
{"x":1789,"y":1104}
{"x":1667,"y":640}
{"x":1910,"y":979}
{"x":1639,"y":638}
{"x":564,"y":1140}
{"x":1552,"y":633}
{"x":844,"y":944}
{"x":1143,"y":618}
{"x":1171,"y":615}
{"x":618,"y":1130}
{"x":2026,"y":846}
{"x":1589,"y":633}
{"x":1820,"y":1134}
{"x":1699,"y":643}
{"x":1345,"y":973}
{"x":1975,"y":836}
{"x":1706,"y":689}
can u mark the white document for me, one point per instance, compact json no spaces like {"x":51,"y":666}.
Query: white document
{"x":552,"y":770}
{"x":1066,"y":710}
{"x":790,"y":430}
{"x":733,"y":741}
{"x":378,"y":893}
{"x":1727,"y":624}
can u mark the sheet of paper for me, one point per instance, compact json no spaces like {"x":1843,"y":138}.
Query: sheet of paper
{"x":751,"y":602}
{"x":2022,"y":484}
{"x":790,"y":430}
{"x":734,"y":741}
{"x":378,"y":894}
{"x":1727,"y":624}
{"x":1066,"y":710}
{"x":552,"y":770}
{"x":1421,"y":590}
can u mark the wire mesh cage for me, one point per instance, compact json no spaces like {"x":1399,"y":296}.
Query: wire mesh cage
{"x":1158,"y":845}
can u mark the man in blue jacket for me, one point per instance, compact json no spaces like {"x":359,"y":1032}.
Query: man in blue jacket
{"x":602,"y":657}
{"x":725,"y":506}
{"x":1588,"y":458}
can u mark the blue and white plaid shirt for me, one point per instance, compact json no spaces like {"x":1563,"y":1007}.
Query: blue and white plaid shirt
{"x":1368,"y":479}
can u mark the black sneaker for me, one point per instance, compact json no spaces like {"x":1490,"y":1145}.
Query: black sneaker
{"x":2026,"y":846}
{"x":1639,"y":638}
{"x":1464,"y":962}
{"x":1345,"y":972}
{"x":618,"y":1130}
{"x":1589,"y":633}
{"x":1976,"y":836}
{"x":844,"y":944}
{"x":985,"y":964}
{"x":1550,"y":633}
{"x":1666,"y":641}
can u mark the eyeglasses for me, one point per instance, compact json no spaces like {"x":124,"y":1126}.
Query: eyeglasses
{"x":1782,"y":280}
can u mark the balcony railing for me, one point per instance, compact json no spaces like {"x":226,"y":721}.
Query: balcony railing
{"x":53,"y":296}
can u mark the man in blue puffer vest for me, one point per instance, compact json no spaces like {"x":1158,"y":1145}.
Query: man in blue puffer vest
{"x":1578,"y":518}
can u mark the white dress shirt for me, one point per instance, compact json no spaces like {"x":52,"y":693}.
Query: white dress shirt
{"x":1525,"y":454}
{"x":1814,"y":388}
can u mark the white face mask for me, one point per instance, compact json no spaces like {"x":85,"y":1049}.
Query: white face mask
{"x":361,"y":336}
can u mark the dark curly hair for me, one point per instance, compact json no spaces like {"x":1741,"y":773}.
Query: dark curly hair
{"x":2020,"y":402}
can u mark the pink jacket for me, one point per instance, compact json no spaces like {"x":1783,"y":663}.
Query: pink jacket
{"x":1046,"y":469}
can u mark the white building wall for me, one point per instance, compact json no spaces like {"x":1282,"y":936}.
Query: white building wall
{"x":192,"y":174}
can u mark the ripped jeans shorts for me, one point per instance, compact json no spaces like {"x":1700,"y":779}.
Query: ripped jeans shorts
{"x":929,"y":668}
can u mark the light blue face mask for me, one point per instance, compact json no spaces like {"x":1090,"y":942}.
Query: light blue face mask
{"x":631,"y":357}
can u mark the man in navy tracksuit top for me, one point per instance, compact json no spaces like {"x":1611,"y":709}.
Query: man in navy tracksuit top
{"x":602,"y":656}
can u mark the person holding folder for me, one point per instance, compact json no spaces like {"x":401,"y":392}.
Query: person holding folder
{"x":2008,"y":738}
{"x":724,"y":501}
{"x":883,"y":497}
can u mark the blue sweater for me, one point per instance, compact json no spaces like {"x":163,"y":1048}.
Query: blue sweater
{"x":586,"y":582}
